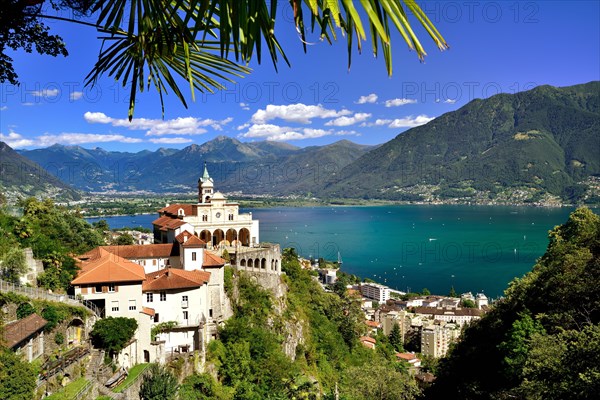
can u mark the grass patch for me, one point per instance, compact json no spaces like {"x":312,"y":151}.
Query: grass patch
{"x":69,"y":391}
{"x":104,"y":398}
{"x":133,"y":374}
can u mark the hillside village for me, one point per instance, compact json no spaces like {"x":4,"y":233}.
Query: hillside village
{"x":173,"y":286}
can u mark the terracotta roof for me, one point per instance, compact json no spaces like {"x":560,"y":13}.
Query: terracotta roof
{"x":165,"y":222}
{"x":173,"y":209}
{"x":131,"y":251}
{"x":372,"y":324}
{"x":148,"y":311}
{"x":407,"y":356}
{"x":16,"y":332}
{"x":367,"y":339}
{"x":212,"y":260}
{"x":173,"y":278}
{"x":109,"y":267}
{"x":188,"y":239}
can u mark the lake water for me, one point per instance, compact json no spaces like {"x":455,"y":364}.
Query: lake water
{"x":473,"y":248}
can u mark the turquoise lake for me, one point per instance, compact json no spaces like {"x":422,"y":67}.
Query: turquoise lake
{"x":473,"y":248}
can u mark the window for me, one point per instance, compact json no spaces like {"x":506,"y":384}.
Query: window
{"x":185,"y":315}
{"x":114,"y":306}
{"x":111,"y":288}
{"x":154,"y":262}
{"x":163,"y":296}
{"x":184,"y":298}
{"x":132,"y":306}
{"x":204,"y":218}
{"x":231,"y":217}
{"x":156,"y":317}
{"x":98,"y":289}
{"x":193,"y":256}
{"x":149,"y":297}
{"x":210,"y":313}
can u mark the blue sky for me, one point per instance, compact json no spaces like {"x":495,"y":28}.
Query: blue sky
{"x":496,"y":46}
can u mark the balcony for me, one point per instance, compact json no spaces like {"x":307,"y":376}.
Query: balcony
{"x":184,"y":304}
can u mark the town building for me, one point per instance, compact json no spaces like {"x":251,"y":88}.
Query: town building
{"x":114,"y":285}
{"x":436,"y":339}
{"x":460,"y":316}
{"x":368,"y":342}
{"x":26,"y":336}
{"x":375,"y":291}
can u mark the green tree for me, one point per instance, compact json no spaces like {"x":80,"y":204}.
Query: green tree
{"x":24,"y":310}
{"x":159,"y":384}
{"x":517,"y":343}
{"x":425,"y":292}
{"x":153,"y":41}
{"x":17,"y":377}
{"x":367,"y":382}
{"x":452,"y":292}
{"x":112,"y":334}
{"x":395,"y":337}
{"x":124,"y":239}
{"x":467,"y":303}
{"x":101,"y":225}
{"x":339,"y":287}
{"x":13,"y":265}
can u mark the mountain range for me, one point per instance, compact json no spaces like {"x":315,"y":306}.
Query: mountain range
{"x":20,"y":176}
{"x":545,"y":140}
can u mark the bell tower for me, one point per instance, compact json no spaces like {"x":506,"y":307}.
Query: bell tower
{"x":205,"y":187}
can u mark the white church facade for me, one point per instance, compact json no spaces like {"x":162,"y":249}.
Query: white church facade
{"x":213,"y":219}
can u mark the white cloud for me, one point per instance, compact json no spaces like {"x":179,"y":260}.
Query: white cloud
{"x":300,"y":113}
{"x":15,"y":140}
{"x":46,"y":93}
{"x":371,"y":98}
{"x":245,"y":106}
{"x":159,"y":127}
{"x":410,"y":121}
{"x":346,"y":121}
{"x":283,"y":133}
{"x":171,"y":140}
{"x":406,"y":122}
{"x":450,"y":101}
{"x":243,"y":126}
{"x":3,"y":108}
{"x":399,"y":102}
{"x":74,"y":96}
{"x":81,"y":138}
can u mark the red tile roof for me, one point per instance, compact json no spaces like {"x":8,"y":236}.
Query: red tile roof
{"x":131,"y":251}
{"x":367,"y":339}
{"x":165,"y":222}
{"x":148,"y":311}
{"x":173,"y":278}
{"x":173,"y":209}
{"x":108,"y":267}
{"x":407,"y":356}
{"x":372,"y":324}
{"x":16,"y":332}
{"x":188,"y":239}
{"x":212,"y":260}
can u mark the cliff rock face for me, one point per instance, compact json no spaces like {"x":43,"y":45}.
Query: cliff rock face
{"x":291,"y":328}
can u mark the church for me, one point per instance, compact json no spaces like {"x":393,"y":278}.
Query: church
{"x":213,"y":219}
